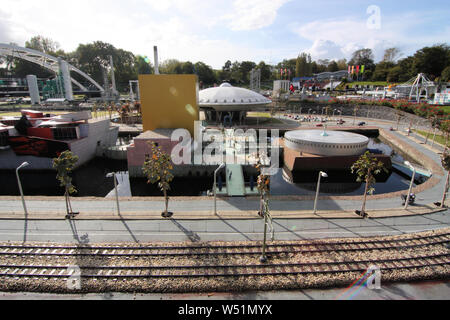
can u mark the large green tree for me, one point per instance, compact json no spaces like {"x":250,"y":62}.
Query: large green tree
{"x":445,"y":75}
{"x":205,"y":73}
{"x":92,"y":57}
{"x":246,"y":67}
{"x":382,"y":70}
{"x":142,"y":65}
{"x":391,"y":55}
{"x":363,"y":57}
{"x":303,"y":65}
{"x":432,"y":60}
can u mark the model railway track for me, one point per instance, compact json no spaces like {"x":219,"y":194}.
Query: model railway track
{"x":214,"y":250}
{"x":236,"y":270}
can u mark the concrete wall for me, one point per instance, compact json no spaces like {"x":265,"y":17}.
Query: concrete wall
{"x":100,"y":136}
{"x":137,"y":153}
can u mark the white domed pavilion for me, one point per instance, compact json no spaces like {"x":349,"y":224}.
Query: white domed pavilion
{"x":232,"y":101}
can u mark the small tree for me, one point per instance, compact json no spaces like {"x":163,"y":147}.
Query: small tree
{"x":263,"y":184}
{"x":157,"y":169}
{"x":445,"y":160}
{"x":64,"y":165}
{"x":399,"y":117}
{"x":444,"y":126}
{"x":366,"y":168}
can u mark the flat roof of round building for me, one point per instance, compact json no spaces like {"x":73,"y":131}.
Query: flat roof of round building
{"x":333,"y":137}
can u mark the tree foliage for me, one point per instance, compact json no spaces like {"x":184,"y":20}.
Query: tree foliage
{"x":157,"y":168}
{"x":303,"y":65}
{"x":391,"y":55}
{"x":432,"y":60}
{"x":366,"y":168}
{"x":64,"y":165}
{"x":363,"y":57}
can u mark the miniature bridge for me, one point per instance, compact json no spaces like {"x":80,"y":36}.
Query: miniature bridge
{"x":46,"y":61}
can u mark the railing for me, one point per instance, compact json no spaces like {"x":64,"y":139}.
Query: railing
{"x":65,"y":133}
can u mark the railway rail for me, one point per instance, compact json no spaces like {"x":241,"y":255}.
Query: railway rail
{"x":245,"y":249}
{"x":187,"y":266}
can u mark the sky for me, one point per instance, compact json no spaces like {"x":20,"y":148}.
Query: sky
{"x":214,"y":31}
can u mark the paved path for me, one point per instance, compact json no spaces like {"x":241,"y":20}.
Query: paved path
{"x":84,"y":231}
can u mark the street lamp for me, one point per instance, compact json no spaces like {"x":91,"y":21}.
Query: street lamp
{"x":411,"y":183}
{"x":324,"y":175}
{"x":24,"y":164}
{"x":113,"y":175}
{"x":215,"y":174}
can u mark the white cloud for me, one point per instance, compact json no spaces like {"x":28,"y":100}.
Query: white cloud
{"x":253,"y":14}
{"x":335,"y":39}
{"x":339,"y":38}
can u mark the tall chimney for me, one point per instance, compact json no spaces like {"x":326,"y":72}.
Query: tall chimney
{"x":155,"y":49}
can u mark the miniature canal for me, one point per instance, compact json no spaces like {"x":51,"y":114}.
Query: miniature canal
{"x":90,"y":180}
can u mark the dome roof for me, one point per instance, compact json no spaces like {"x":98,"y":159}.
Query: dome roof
{"x":227,"y":95}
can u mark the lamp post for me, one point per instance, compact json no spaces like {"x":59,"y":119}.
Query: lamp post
{"x":24,"y":164}
{"x":411,"y":183}
{"x":113,"y":175}
{"x":321,"y":174}
{"x":215,"y":196}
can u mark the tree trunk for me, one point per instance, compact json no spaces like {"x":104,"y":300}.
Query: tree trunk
{"x":365,"y":194}
{"x":166,"y":199}
{"x":446,"y":142}
{"x":445,"y":189}
{"x":426,"y":139}
{"x":66,"y":197}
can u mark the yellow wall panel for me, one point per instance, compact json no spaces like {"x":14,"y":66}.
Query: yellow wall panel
{"x":169,"y":101}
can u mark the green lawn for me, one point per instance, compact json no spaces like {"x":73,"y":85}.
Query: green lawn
{"x":439,"y":139}
{"x":446,"y":109}
{"x":369,"y":83}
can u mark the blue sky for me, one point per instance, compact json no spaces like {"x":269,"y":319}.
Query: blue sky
{"x":214,"y":31}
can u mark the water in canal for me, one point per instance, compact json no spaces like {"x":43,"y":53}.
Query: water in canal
{"x":91,"y":180}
